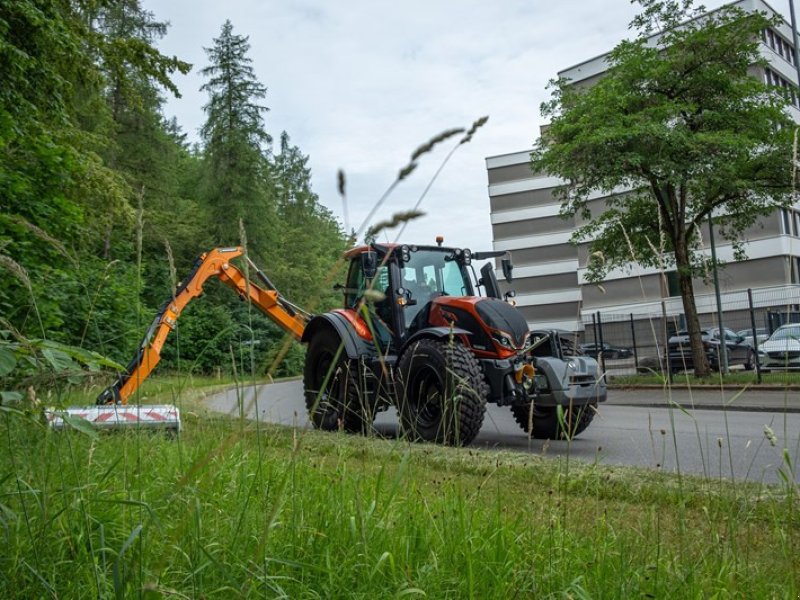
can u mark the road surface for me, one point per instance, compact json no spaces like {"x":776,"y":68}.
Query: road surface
{"x":712,"y":443}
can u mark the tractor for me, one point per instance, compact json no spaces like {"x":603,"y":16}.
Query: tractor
{"x":414,"y":332}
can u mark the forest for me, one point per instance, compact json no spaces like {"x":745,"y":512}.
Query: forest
{"x":104,"y":204}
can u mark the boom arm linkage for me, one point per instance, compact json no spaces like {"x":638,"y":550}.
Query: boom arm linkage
{"x":215,"y":263}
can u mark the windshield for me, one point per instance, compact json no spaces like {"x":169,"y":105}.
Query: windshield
{"x":786,"y":333}
{"x":428,"y":275}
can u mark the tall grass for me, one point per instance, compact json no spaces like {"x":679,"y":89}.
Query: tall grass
{"x":344,"y":516}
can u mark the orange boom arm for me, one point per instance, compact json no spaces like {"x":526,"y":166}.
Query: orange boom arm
{"x":215,"y":263}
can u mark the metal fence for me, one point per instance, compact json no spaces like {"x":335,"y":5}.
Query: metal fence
{"x":632,"y":342}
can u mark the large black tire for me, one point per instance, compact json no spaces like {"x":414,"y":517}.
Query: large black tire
{"x":441,"y":393}
{"x":543,"y":423}
{"x":331,"y":386}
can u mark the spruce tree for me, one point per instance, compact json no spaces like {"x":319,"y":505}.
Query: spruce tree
{"x":236,"y":145}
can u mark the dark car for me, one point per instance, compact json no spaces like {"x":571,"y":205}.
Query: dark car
{"x":609,"y":351}
{"x":738,"y":350}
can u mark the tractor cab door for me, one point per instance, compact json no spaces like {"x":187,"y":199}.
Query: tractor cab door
{"x":379,"y":311}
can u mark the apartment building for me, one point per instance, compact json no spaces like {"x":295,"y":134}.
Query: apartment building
{"x":550,"y":272}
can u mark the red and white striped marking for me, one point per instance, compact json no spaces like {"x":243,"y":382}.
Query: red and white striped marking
{"x":163,"y":416}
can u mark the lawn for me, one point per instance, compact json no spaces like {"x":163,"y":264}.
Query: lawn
{"x":241,"y":509}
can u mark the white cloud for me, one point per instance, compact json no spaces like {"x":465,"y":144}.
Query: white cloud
{"x":359,"y":85}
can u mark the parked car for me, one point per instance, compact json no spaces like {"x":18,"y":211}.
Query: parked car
{"x":649,"y":364}
{"x":609,"y":351}
{"x":739,"y":352}
{"x":762,"y":333}
{"x":782,"y":349}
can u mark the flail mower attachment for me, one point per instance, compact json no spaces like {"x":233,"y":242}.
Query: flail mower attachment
{"x":164,"y":417}
{"x":112,"y":410}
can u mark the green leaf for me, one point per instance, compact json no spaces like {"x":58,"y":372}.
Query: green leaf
{"x":80,"y":425}
{"x":60,"y":361}
{"x":7,"y":361}
{"x":10,"y":397}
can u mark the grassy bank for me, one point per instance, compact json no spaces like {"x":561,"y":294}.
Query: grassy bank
{"x":777,"y":380}
{"x":242,"y":509}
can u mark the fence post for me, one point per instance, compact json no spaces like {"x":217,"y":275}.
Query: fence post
{"x":635,"y":349}
{"x":666,"y":361}
{"x":600,"y":353}
{"x":755,"y":337}
{"x":594,"y":328}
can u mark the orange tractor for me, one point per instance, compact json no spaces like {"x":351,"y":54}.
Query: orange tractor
{"x":413,"y":333}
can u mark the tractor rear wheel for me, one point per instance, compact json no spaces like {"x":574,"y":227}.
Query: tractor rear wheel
{"x":441,"y":395}
{"x":543,"y":423}
{"x":331,"y":386}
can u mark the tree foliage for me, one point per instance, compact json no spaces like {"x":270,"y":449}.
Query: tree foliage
{"x":676,"y":130}
{"x":101,"y":196}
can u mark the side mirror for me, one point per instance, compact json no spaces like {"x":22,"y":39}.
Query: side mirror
{"x":369,"y":263}
{"x":507,"y":269}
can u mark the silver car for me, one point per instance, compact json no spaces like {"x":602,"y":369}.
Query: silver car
{"x":782,"y":349}
{"x":762,"y":334}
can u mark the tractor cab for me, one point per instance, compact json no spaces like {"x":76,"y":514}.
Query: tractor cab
{"x":407,"y":288}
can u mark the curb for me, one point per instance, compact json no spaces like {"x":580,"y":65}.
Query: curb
{"x":719,"y":407}
{"x":730,"y":387}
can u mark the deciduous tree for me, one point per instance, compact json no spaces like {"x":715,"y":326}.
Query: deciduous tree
{"x":681,"y":123}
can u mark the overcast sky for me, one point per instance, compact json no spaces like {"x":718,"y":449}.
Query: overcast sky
{"x":358,"y":85}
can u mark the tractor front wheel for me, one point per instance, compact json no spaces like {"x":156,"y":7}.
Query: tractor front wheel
{"x":441,"y":393}
{"x":331,"y":386}
{"x":545,"y":424}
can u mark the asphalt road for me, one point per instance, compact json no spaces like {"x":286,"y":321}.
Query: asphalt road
{"x":631,"y":429}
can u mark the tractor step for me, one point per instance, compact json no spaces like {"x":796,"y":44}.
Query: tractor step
{"x":115,"y":417}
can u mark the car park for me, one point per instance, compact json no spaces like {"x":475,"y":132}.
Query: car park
{"x":781,"y":350}
{"x":609,"y":352}
{"x":739,"y":352}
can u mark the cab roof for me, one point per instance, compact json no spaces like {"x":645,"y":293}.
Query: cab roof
{"x":384,"y":249}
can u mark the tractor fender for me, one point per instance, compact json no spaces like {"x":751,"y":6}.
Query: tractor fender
{"x":435,"y":333}
{"x":354,"y":346}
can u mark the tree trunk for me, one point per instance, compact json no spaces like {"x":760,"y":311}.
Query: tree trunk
{"x":699,"y":358}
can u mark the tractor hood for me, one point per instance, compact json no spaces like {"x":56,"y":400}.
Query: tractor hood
{"x":500,"y":315}
{"x":493,"y":314}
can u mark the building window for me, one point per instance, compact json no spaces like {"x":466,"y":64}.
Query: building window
{"x":772,"y":78}
{"x":673,"y":286}
{"x":787,"y":224}
{"x":782,"y":48}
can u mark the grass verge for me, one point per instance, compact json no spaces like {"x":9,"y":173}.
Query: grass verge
{"x":778,"y":380}
{"x":242,"y":509}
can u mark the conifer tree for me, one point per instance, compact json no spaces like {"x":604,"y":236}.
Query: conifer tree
{"x":236,"y":144}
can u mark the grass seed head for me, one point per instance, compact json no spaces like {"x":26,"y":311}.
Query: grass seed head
{"x":437,"y":139}
{"x":340,"y":182}
{"x":17,"y":270}
{"x":406,"y":171}
{"x":770,"y":435}
{"x":397,"y":219}
{"x":475,"y":126}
